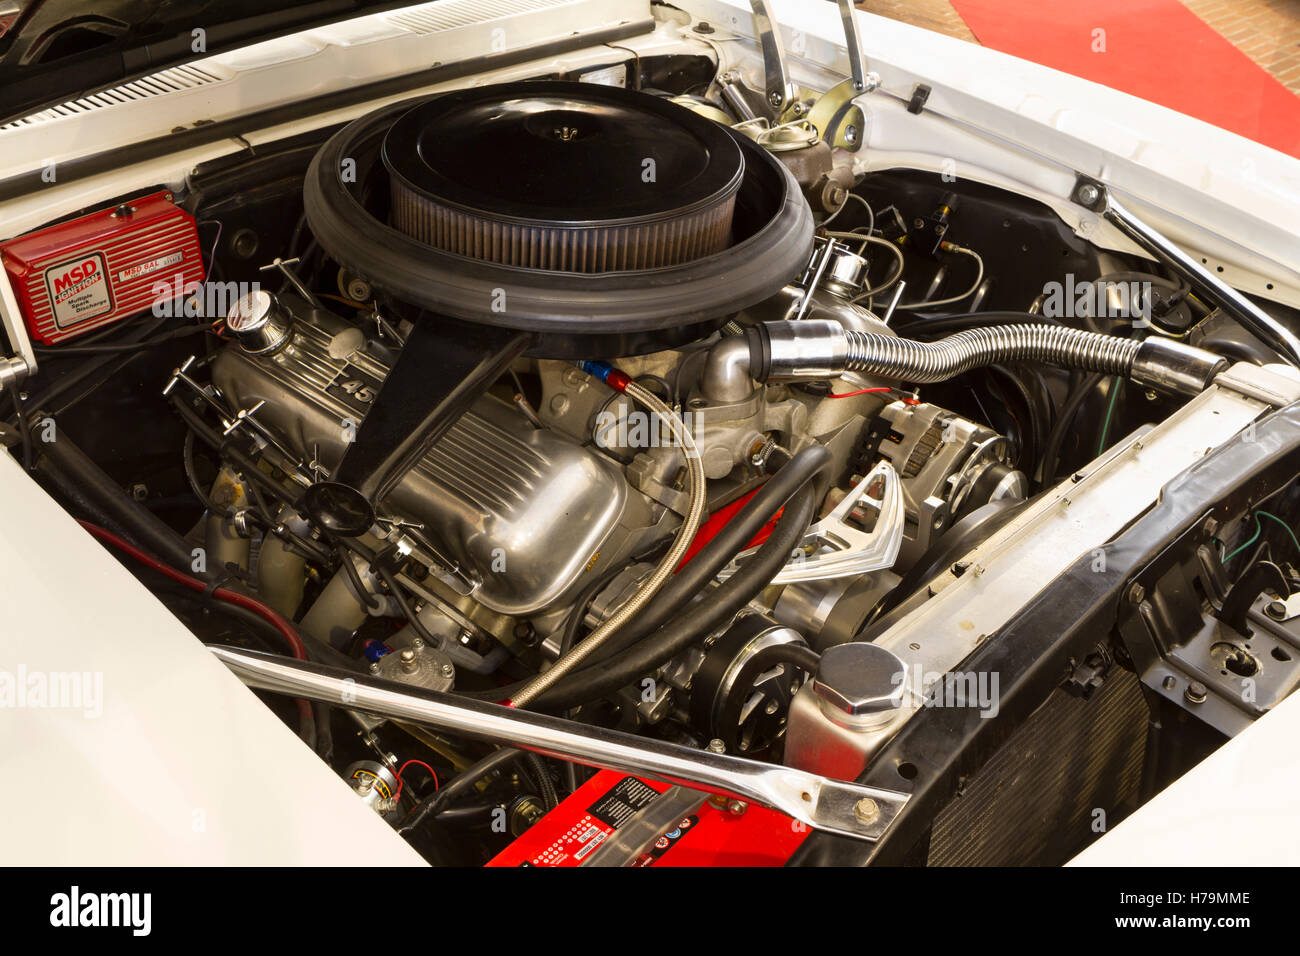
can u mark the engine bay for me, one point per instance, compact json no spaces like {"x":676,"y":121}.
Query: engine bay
{"x":634,"y":409}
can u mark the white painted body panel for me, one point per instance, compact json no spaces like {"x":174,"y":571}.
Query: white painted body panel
{"x":183,"y":764}
{"x":181,"y":742}
{"x":1238,"y":807}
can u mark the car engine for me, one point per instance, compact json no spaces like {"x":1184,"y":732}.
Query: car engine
{"x":649,"y":419}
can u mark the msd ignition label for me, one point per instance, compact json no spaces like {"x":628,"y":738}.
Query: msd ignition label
{"x":78,"y":290}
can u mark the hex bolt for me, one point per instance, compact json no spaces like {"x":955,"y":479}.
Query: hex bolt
{"x":737,"y":807}
{"x":1276,"y":610}
{"x":1137,"y":593}
{"x":1196,"y":692}
{"x":866,"y":811}
{"x":716,"y":746}
{"x":1089,"y":194}
{"x":448,"y":670}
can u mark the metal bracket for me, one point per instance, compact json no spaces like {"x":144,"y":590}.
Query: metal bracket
{"x":778,"y":92}
{"x":837,"y":119}
{"x":862,"y":534}
{"x":230,"y":423}
{"x":863,"y":81}
{"x":833,"y":806}
{"x":14,"y":370}
{"x":1099,"y":198}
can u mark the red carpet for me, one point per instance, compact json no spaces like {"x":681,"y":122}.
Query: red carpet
{"x":1156,"y":49}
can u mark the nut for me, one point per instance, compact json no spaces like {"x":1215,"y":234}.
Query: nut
{"x":866,"y":811}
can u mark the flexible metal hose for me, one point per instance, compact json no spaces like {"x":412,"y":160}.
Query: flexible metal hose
{"x":667,"y":564}
{"x":820,"y":349}
{"x":927,"y":362}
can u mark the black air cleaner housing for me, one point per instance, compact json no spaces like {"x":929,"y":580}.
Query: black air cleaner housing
{"x":563,"y":176}
{"x":531,"y":206}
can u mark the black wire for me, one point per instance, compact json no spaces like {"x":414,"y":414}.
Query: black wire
{"x":946,"y":324}
{"x":434,"y":802}
{"x":296,"y":237}
{"x":88,"y":369}
{"x":362,"y":592}
{"x":191,"y":475}
{"x":408,"y":612}
{"x":58,"y":351}
{"x":1056,"y":439}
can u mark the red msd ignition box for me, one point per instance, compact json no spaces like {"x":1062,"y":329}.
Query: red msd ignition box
{"x":90,"y":272}
{"x":712,"y":836}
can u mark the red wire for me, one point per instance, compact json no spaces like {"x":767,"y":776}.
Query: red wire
{"x":222,"y":594}
{"x":861,"y":391}
{"x":194,"y":584}
{"x":397,"y":796}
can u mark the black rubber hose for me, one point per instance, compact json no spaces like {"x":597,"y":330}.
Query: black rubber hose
{"x":812,"y":464}
{"x":550,"y":796}
{"x":711,"y":611}
{"x":806,"y":471}
{"x":399,"y":596}
{"x":89,"y":490}
{"x":458,"y":785}
{"x":1056,"y":439}
{"x":196,"y":486}
{"x":1033,"y":429}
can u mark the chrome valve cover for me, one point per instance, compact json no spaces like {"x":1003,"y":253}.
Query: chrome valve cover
{"x":521,"y":510}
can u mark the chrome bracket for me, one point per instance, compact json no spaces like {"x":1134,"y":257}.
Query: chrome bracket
{"x":16,"y":369}
{"x":863,"y":533}
{"x":1098,"y":197}
{"x":832,"y":806}
{"x":778,"y":92}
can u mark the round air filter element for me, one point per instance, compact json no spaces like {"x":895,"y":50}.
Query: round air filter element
{"x":563,"y":177}
{"x":605,"y":222}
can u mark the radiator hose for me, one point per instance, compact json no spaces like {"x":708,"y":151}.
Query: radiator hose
{"x":820,"y":349}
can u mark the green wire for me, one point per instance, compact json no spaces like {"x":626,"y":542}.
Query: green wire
{"x":1294,"y":540}
{"x":1110,"y":410}
{"x":1258,"y":529}
{"x":1242,"y":547}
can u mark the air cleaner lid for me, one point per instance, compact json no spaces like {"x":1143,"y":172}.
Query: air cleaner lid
{"x":563,"y":154}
